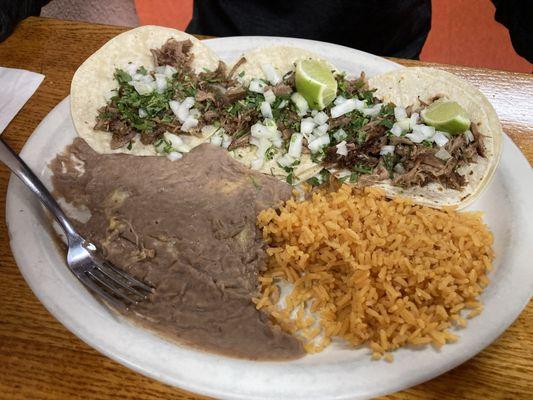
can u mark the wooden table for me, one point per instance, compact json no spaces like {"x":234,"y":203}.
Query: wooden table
{"x":40,"y":359}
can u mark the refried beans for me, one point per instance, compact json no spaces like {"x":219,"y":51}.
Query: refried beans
{"x":188,"y":228}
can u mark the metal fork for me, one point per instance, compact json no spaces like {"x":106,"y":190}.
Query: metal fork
{"x":117,"y":287}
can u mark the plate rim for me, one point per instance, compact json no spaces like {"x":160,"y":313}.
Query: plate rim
{"x":184,"y":384}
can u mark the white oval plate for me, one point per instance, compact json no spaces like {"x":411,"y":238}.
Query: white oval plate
{"x":337,"y":373}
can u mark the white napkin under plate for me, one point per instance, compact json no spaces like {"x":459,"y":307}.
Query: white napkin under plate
{"x":16,"y":87}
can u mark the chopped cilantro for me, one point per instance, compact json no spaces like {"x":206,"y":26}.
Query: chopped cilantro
{"x":271,"y":152}
{"x":386,"y":123}
{"x":122,"y":77}
{"x":353,"y":177}
{"x":290,"y":178}
{"x":361,"y":137}
{"x":363,"y":169}
{"x":389,"y":160}
{"x":314,"y":181}
{"x":427,"y":143}
{"x":141,"y":70}
{"x":130,"y":145}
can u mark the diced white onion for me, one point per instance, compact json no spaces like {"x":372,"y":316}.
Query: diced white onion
{"x":295,"y":146}
{"x":185,"y":106}
{"x":286,"y":160}
{"x":262,"y":145}
{"x":300,"y":103}
{"x":271,"y":74}
{"x":417,"y":137}
{"x":142,"y":113}
{"x":340,"y":135}
{"x":396,"y":130}
{"x":189,"y":124}
{"x":404,"y":124}
{"x":257,"y":85}
{"x":321,"y":130}
{"x":400,"y":113}
{"x":142,"y":78}
{"x":342,"y":149}
{"x":339,"y":100}
{"x":169,"y":71}
{"x":372,"y":111}
{"x":226,"y":140}
{"x":413,"y":120}
{"x":307,"y":125}
{"x":469,"y":136}
{"x":266,"y":110}
{"x":343,"y":108}
{"x":283,"y":104}
{"x":320,"y":118}
{"x":131,"y":68}
{"x":442,"y":154}
{"x":314,"y":112}
{"x":143,"y":88}
{"x":216,"y":140}
{"x":193,"y":112}
{"x":109,"y":94}
{"x":270,"y":97}
{"x":427,"y":131}
{"x":174,"y":156}
{"x":261,"y":131}
{"x":386,"y":150}
{"x":160,"y":82}
{"x":440,"y":139}
{"x":317,"y":144}
{"x":175,"y":140}
{"x":174,"y":106}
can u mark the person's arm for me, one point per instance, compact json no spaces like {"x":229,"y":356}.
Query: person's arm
{"x":12,"y":11}
{"x":517,"y":17}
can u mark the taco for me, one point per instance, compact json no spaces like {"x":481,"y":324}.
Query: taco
{"x":132,"y":68}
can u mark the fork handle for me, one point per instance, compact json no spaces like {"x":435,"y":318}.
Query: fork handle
{"x":25,"y":174}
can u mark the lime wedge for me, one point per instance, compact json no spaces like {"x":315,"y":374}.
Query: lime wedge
{"x":447,"y":116}
{"x":316,"y":83}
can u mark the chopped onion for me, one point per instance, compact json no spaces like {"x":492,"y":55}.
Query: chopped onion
{"x":417,"y":137}
{"x":175,"y":140}
{"x":270,"y":97}
{"x":261,"y":131}
{"x":183,"y":111}
{"x":413,"y":120}
{"x":442,"y":154}
{"x":174,"y":106}
{"x":295,"y":146}
{"x":193,"y":112}
{"x":142,"y":78}
{"x":286,"y":160}
{"x":400,"y":113}
{"x":300,"y":103}
{"x":340,"y":135}
{"x":339,"y":100}
{"x":174,"y":156}
{"x":307,"y":125}
{"x":427,"y":131}
{"x":469,"y":136}
{"x":143,"y":88}
{"x":216,"y":140}
{"x":314,"y":112}
{"x":266,"y":110}
{"x":343,"y":108}
{"x":396,"y":130}
{"x":440,"y":139}
{"x":257,"y":85}
{"x":283,"y":104}
{"x":262,"y":145}
{"x":320,"y":118}
{"x":110,"y":94}
{"x":404,"y":124}
{"x":372,"y":111}
{"x":271,"y":74}
{"x":387,"y":150}
{"x":169,"y":71}
{"x":189,"y":124}
{"x":342,"y":149}
{"x":131,"y":68}
{"x":142,"y":113}
{"x":226,"y":140}
{"x":317,"y":144}
{"x":321,"y":130}
{"x":160,"y":83}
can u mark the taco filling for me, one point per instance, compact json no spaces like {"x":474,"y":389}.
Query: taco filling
{"x":356,"y":137}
